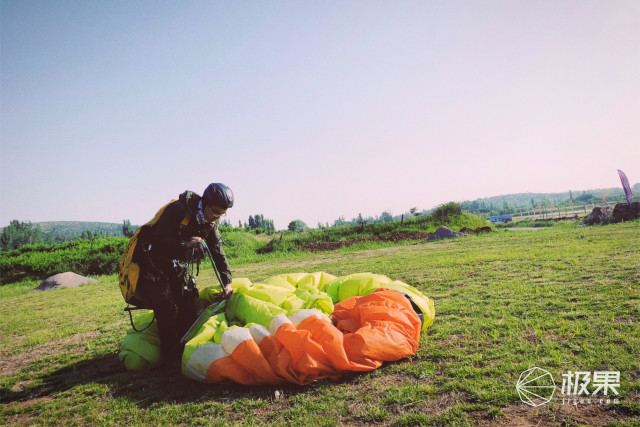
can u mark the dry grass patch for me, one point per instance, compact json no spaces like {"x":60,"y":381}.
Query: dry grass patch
{"x":523,"y":415}
{"x":73,"y":344}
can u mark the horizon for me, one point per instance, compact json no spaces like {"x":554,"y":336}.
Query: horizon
{"x":311,"y":111}
{"x":365,"y":216}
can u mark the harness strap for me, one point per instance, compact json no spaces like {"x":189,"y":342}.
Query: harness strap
{"x":130,"y":309}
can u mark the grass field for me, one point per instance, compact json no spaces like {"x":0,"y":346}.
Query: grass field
{"x":560,"y":298}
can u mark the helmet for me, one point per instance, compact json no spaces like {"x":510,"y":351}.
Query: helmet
{"x":218,"y":194}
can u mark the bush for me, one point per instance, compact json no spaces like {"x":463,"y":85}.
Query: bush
{"x":97,"y":256}
{"x":297,"y":225}
{"x":239,"y":244}
{"x":446,"y":213}
{"x":278,"y":245}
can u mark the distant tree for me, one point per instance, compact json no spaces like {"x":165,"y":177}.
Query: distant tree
{"x":92,"y":234}
{"x":545,"y":202}
{"x":127,"y":229}
{"x":258,"y":221}
{"x":386,"y":217}
{"x":37,"y":235}
{"x":359,"y":219}
{"x":17,"y":234}
{"x":239,"y":223}
{"x":414,"y":212}
{"x":297,"y":225}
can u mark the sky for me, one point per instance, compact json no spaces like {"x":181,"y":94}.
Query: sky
{"x":311,"y":110}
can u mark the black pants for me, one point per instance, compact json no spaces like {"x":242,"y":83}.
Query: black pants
{"x":174,"y":309}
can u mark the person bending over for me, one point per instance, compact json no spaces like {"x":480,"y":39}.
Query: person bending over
{"x":165,"y":247}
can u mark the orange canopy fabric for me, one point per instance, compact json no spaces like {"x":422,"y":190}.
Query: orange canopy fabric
{"x":369,"y":330}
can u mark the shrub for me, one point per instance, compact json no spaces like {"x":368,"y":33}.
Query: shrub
{"x":446,"y":213}
{"x":97,"y":256}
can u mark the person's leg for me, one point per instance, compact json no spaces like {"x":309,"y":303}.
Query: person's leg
{"x":166,"y":318}
{"x":185,"y":300}
{"x":159,"y":298}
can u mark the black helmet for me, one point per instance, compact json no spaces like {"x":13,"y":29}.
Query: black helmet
{"x":218,"y":194}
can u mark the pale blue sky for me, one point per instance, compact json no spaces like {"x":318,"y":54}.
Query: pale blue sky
{"x":311,"y":110}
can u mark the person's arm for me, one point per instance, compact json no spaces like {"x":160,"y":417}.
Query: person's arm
{"x":214,"y":242}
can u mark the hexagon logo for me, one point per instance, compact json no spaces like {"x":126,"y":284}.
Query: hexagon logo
{"x":535,"y":386}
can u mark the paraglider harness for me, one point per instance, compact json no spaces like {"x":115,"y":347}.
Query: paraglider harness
{"x":185,"y":275}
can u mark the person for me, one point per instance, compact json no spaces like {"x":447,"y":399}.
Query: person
{"x":171,"y":241}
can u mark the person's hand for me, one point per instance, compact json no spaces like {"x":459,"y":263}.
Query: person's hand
{"x":194,"y":249}
{"x":193,"y":242}
{"x":226,"y":292}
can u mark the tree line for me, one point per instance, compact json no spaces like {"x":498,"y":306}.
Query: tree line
{"x":256,"y":223}
{"x":512,"y":203}
{"x":19,"y":233}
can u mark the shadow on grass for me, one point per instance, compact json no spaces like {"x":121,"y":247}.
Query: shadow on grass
{"x":146,"y":388}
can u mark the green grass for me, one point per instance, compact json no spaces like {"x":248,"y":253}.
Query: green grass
{"x":561,"y":298}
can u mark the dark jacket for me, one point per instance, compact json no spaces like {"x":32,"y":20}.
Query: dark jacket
{"x":169,"y":236}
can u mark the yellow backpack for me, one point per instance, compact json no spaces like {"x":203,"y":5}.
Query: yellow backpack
{"x":130,"y":270}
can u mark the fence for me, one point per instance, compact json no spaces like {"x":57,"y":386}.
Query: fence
{"x":559,"y":212}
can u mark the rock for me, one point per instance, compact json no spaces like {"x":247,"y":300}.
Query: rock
{"x":599,"y":215}
{"x":626,"y":212}
{"x":64,"y":280}
{"x":445,"y":233}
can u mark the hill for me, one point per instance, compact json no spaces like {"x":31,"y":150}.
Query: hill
{"x":511,"y":203}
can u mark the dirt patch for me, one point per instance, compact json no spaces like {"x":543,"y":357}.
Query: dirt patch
{"x":523,"y":415}
{"x":20,"y":386}
{"x":373,"y":385}
{"x":395,"y":237}
{"x":453,"y":341}
{"x":74,"y":343}
{"x":431,"y":406}
{"x":20,"y":419}
{"x":28,"y":403}
{"x":434,"y":406}
{"x":530,"y":335}
{"x":479,"y":230}
{"x":24,"y":418}
{"x":626,"y":320}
